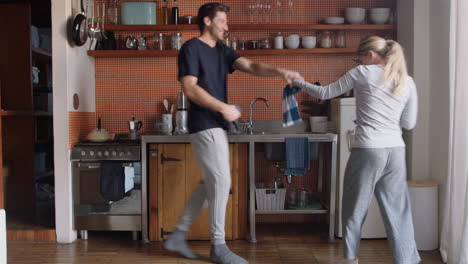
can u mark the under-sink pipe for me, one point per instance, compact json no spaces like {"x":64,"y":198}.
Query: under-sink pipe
{"x":288,"y":177}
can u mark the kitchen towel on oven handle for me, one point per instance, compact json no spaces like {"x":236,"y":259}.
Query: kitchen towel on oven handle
{"x":112,"y":180}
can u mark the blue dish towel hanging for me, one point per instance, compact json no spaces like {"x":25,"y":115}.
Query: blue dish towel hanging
{"x":297,"y":156}
{"x":290,"y":108}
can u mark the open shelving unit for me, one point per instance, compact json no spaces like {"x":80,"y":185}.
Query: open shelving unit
{"x":235,"y":27}
{"x":247,"y":27}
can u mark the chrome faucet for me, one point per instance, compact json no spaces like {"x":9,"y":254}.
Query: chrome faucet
{"x":250,"y":125}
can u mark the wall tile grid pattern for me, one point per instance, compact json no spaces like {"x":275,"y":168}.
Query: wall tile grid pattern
{"x":135,"y":87}
{"x":81,"y":123}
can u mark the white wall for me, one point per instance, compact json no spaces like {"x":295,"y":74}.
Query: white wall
{"x":423,"y":29}
{"x":440,"y":96}
{"x":73,"y":72}
{"x":413,"y":32}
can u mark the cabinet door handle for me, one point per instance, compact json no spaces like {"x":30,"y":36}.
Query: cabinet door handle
{"x":349,"y":136}
{"x":163,"y":159}
{"x":153,"y":153}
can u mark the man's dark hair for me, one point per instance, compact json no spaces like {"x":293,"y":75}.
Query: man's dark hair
{"x":209,"y":10}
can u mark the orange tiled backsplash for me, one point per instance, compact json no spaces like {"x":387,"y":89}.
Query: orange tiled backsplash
{"x":135,"y":87}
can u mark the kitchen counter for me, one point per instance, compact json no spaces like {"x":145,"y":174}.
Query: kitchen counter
{"x":251,"y":140}
{"x":242,"y":138}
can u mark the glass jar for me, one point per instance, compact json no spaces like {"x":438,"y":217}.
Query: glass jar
{"x":158,"y":43}
{"x":241,"y":44}
{"x":340,"y":39}
{"x":326,"y":39}
{"x":279,"y":41}
{"x":234,"y":43}
{"x":226,"y":40}
{"x":264,"y":44}
{"x":176,"y":41}
{"x":252,"y":44}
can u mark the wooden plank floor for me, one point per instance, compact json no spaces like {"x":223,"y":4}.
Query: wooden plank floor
{"x":278,"y":243}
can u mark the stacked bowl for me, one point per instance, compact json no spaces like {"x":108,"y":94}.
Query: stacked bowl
{"x":379,"y":15}
{"x":355,"y":15}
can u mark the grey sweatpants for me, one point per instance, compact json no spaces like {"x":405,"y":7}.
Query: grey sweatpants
{"x":379,"y":171}
{"x":211,"y":149}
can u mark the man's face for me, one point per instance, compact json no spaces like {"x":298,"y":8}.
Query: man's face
{"x":218,"y":26}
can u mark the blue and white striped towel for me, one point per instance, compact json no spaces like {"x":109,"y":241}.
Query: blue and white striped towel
{"x":290,"y":108}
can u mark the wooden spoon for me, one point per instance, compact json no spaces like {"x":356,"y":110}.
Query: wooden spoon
{"x":166,"y":105}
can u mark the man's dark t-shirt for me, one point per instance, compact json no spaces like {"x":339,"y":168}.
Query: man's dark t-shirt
{"x":211,"y":66}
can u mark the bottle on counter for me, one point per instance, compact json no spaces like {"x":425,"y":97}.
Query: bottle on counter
{"x":175,"y":13}
{"x":165,"y":13}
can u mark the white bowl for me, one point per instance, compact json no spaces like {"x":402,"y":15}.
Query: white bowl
{"x":291,"y":43}
{"x":334,"y":20}
{"x":379,"y":10}
{"x":379,"y":18}
{"x":293,"y":37}
{"x":309,"y":42}
{"x":355,"y":15}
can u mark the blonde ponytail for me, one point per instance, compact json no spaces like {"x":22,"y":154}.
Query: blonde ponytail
{"x":395,"y":68}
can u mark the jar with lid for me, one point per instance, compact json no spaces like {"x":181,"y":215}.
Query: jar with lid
{"x":158,"y":43}
{"x":264,"y":44}
{"x":340,"y":39}
{"x":234,"y":43}
{"x":279,"y":41}
{"x":326,"y":39}
{"x":176,"y":41}
{"x":252,"y":44}
{"x":142,"y":43}
{"x":226,"y":40}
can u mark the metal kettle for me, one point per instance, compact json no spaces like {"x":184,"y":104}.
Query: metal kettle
{"x":134,"y":126}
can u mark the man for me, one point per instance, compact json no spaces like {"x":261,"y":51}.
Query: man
{"x":204,"y":63}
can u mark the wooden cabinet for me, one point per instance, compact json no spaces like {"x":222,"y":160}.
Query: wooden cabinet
{"x":174,"y":174}
{"x":27,"y":133}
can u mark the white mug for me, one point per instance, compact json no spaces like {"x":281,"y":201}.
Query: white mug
{"x":162,"y":128}
{"x":318,"y":124}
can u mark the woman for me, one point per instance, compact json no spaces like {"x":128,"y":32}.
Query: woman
{"x":386,"y":101}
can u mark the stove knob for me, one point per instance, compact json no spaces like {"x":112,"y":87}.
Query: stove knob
{"x":121,"y":154}
{"x":114,"y":153}
{"x":106,"y":153}
{"x":99,"y":153}
{"x":129,"y":153}
{"x":91,"y":153}
{"x":83,"y":153}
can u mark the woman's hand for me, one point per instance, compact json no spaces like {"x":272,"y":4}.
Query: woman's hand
{"x":291,"y":76}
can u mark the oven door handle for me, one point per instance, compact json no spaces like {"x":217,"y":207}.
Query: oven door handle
{"x":89,"y":166}
{"x":98,"y":166}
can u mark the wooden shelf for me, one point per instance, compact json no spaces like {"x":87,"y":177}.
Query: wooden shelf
{"x":174,"y":53}
{"x":42,"y":113}
{"x":240,"y":27}
{"x":42,"y":52}
{"x":25,"y":113}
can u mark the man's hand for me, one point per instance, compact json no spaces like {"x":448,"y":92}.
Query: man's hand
{"x":230,"y":113}
{"x":291,"y":76}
